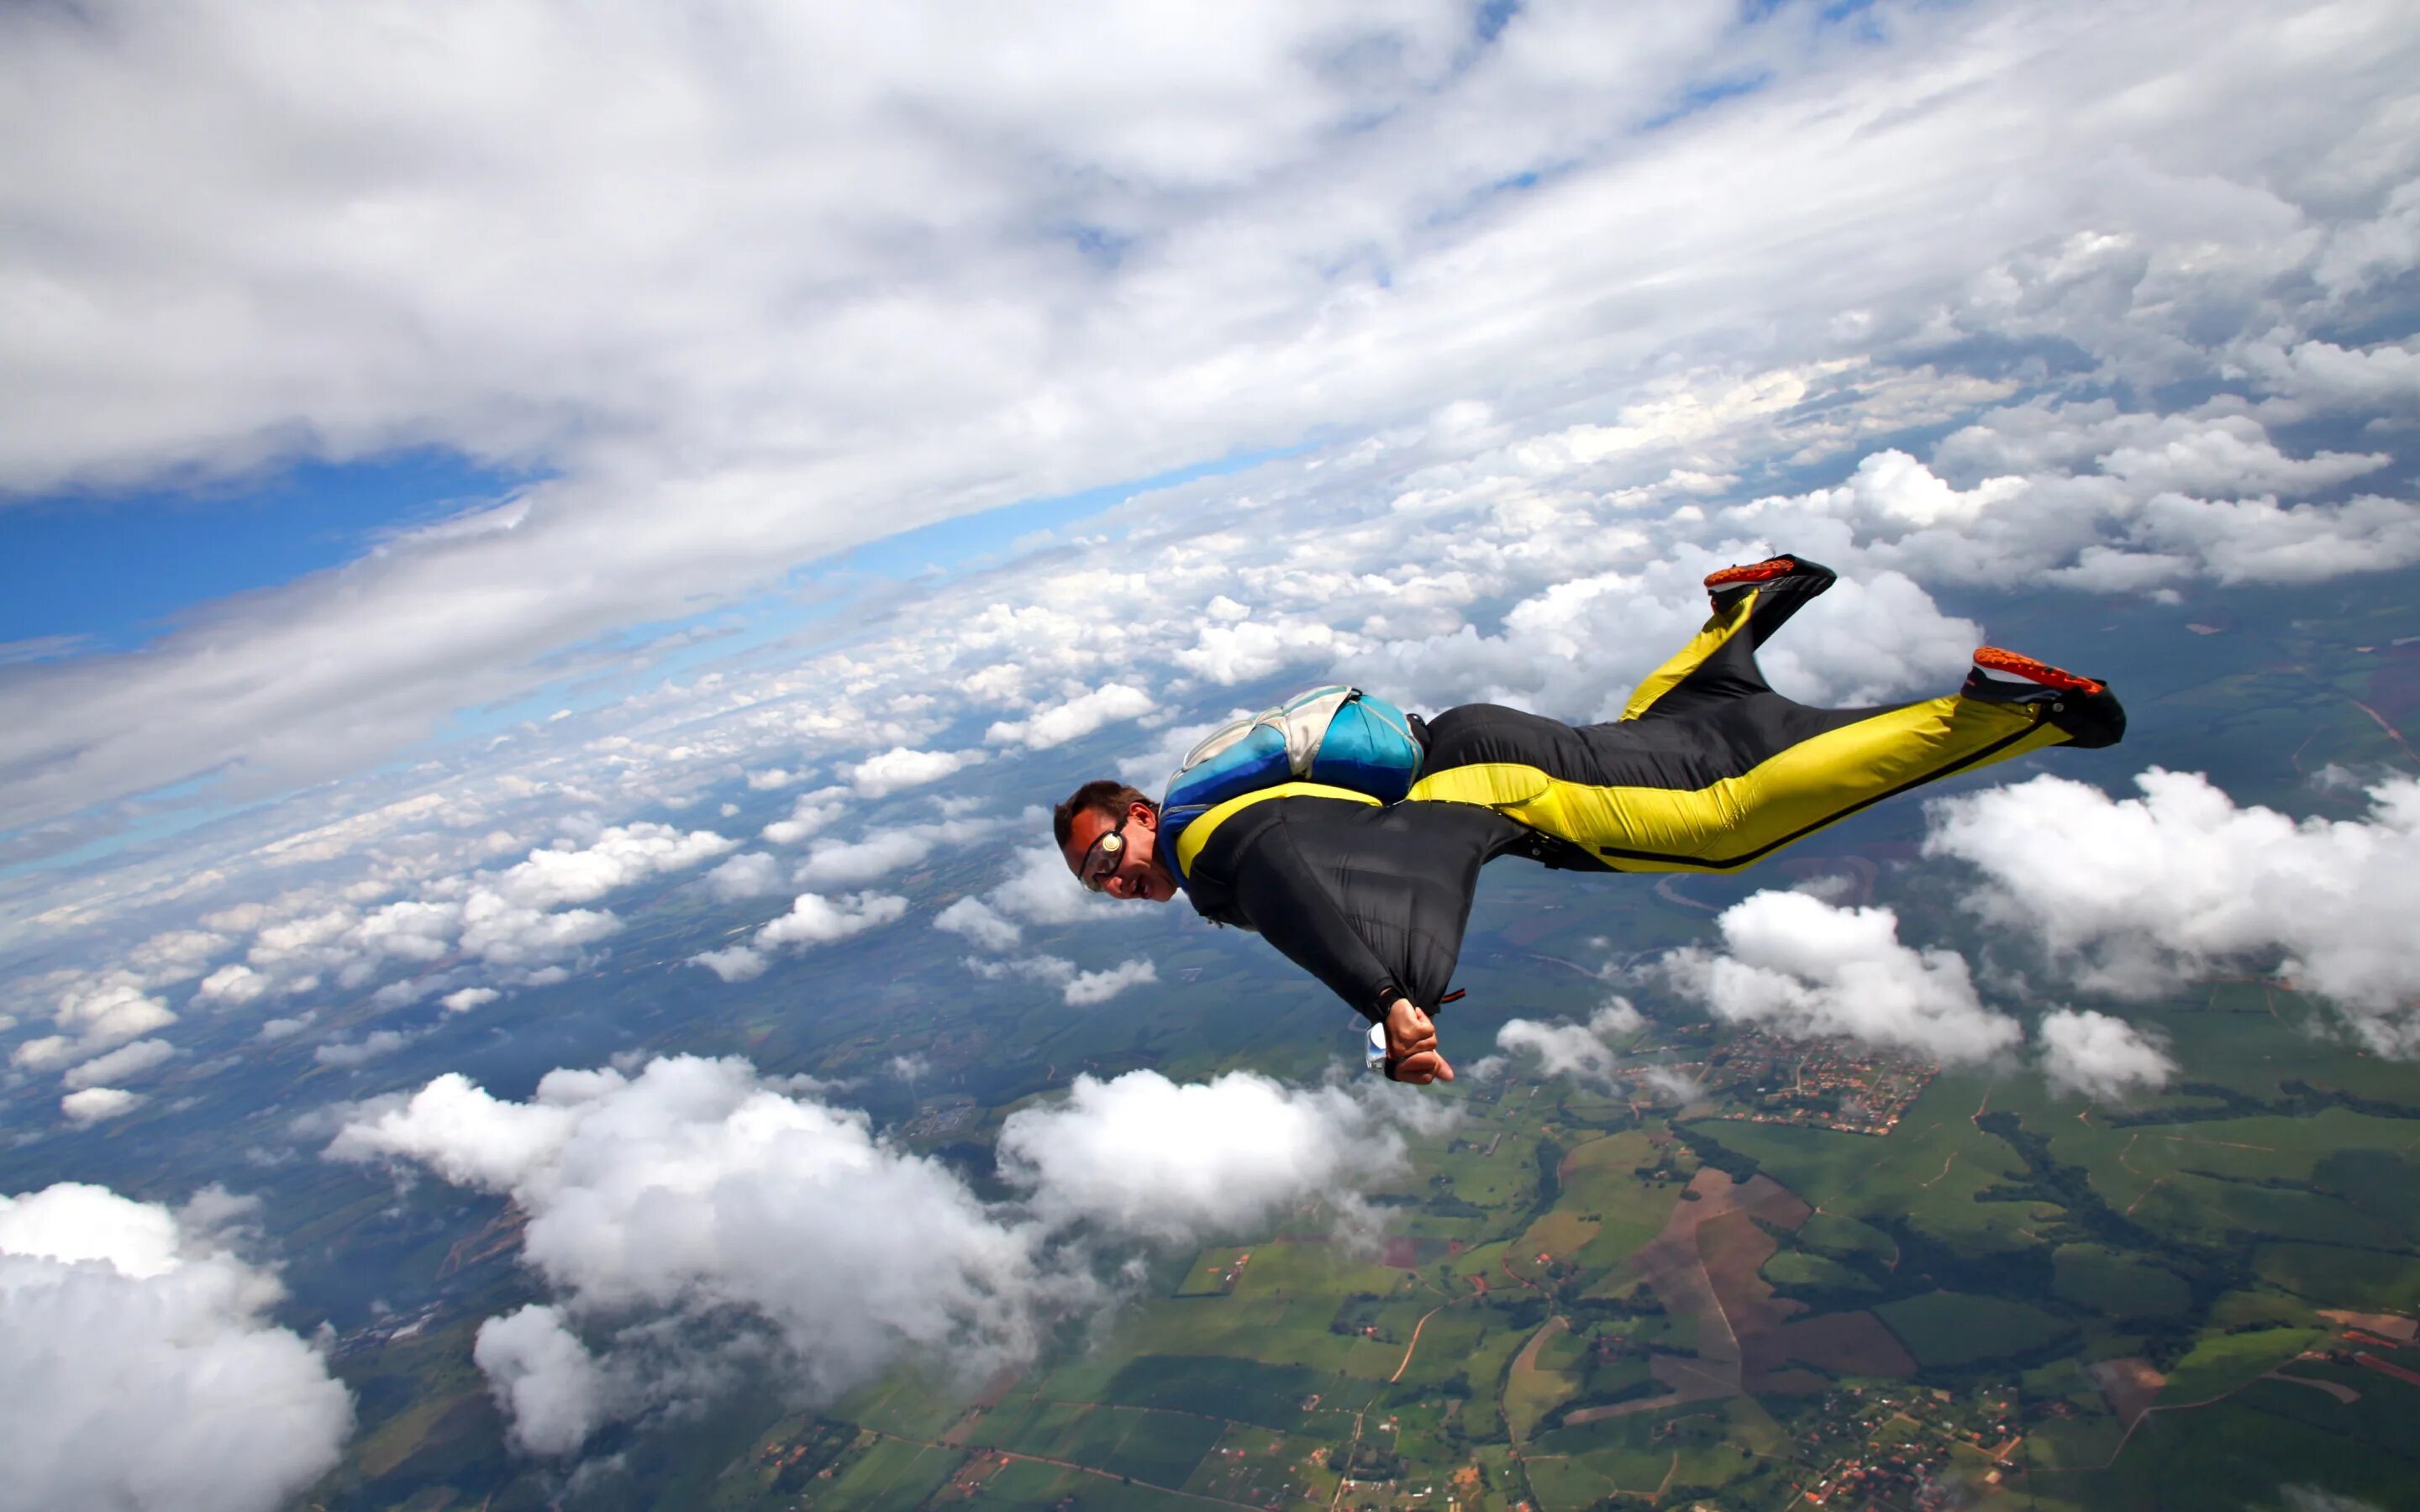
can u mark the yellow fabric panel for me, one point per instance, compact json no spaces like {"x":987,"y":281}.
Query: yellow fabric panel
{"x":1724,"y":825}
{"x":1718,"y":628}
{"x":1197,"y":833}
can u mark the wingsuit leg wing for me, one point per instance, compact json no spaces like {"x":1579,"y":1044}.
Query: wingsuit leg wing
{"x":1709,"y":769}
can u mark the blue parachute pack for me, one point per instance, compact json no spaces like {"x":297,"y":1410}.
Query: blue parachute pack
{"x":1336,"y":736}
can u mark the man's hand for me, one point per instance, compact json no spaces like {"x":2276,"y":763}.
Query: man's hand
{"x":1412,"y":1045}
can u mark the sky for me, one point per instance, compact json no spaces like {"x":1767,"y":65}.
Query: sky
{"x":454,"y":449}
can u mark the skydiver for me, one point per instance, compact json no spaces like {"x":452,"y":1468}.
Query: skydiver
{"x":1708,"y":770}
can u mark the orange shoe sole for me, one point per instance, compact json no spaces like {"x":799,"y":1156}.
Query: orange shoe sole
{"x":1992,"y":658}
{"x":1755,"y":572}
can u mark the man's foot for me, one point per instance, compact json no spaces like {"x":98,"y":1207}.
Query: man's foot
{"x":2083,"y":707}
{"x":1781,"y":584}
{"x":1755,"y":572}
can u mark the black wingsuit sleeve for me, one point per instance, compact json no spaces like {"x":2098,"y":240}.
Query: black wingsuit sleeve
{"x":1373,"y":902}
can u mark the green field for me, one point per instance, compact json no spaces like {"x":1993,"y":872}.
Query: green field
{"x":1948,"y":1328}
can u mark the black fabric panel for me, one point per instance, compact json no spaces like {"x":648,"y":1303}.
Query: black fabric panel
{"x":1371,"y":900}
{"x":1710,"y":739}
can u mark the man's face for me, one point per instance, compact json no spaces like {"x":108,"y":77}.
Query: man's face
{"x":1134,"y":870}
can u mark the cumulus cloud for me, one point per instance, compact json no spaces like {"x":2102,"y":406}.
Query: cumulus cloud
{"x":1075,"y":718}
{"x":2100,"y":1057}
{"x":98,"y":1104}
{"x":126,"y":1324}
{"x":753,"y":875}
{"x":1578,"y":1050}
{"x":617,"y":858}
{"x":975,"y":919}
{"x":94,"y":1014}
{"x":1670,"y":1085}
{"x":736,"y":963}
{"x":845,"y":1251}
{"x":468,"y":999}
{"x":2134,"y":896}
{"x":809,"y":812}
{"x":118,"y":1064}
{"x":505,"y":933}
{"x":1145,"y":1155}
{"x":232,"y":984}
{"x":552,"y":1393}
{"x":347,"y":1055}
{"x":840,"y":864}
{"x":1801,"y":967}
{"x":815,"y":919}
{"x":1100,"y":986}
{"x":900,"y":768}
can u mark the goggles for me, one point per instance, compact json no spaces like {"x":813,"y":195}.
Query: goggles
{"x":1101,"y":861}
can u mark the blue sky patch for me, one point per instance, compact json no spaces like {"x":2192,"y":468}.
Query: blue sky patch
{"x":87,"y":572}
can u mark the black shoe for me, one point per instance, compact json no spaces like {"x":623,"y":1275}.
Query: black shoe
{"x":2082,"y":707}
{"x":1782,"y":585}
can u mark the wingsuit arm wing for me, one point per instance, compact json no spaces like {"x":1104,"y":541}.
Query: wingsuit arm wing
{"x":1279,"y":890}
{"x":1371,"y":902}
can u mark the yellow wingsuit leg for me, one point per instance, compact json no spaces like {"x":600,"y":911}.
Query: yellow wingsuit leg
{"x":1796,"y":769}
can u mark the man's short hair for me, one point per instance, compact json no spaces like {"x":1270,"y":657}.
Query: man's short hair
{"x":1106,"y":796}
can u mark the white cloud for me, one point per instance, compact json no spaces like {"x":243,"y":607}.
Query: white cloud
{"x":95,"y":1012}
{"x":1100,"y":986}
{"x":1246,"y":652}
{"x":2100,"y":1057}
{"x":507,"y":934}
{"x":665,"y":1204}
{"x":900,"y":767}
{"x":975,"y":919}
{"x":1574,"y":1049}
{"x":469,"y":998}
{"x":234,"y":983}
{"x":2135,"y":896}
{"x":1670,"y":1085}
{"x":832,"y":863}
{"x":125,"y":1326}
{"x":755,"y":874}
{"x":371,"y":1046}
{"x":736,"y":963}
{"x":1801,"y":967}
{"x":553,"y":1394}
{"x":614,"y":859}
{"x":117,"y":1065}
{"x":846,"y":1250}
{"x":1173,"y":1160}
{"x":815,"y":919}
{"x":96,"y":1104}
{"x":1075,"y":718}
{"x":809,"y":812}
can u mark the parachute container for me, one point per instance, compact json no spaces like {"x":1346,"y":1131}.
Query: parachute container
{"x":1338,"y":736}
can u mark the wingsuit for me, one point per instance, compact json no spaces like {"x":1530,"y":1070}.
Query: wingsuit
{"x":1708,"y":770}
